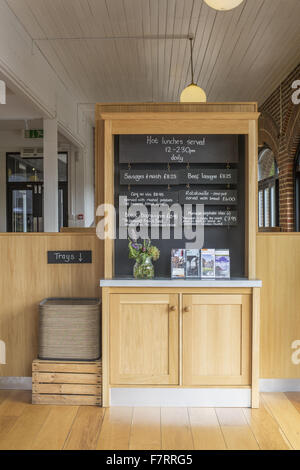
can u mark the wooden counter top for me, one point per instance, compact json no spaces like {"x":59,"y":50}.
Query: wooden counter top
{"x":168,"y":282}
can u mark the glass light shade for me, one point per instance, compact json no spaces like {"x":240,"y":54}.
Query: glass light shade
{"x":223,"y":5}
{"x":193,"y":94}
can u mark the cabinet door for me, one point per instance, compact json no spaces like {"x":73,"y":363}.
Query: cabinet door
{"x":216,"y":339}
{"x":144,"y":339}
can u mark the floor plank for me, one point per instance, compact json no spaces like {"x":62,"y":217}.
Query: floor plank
{"x":56,"y":428}
{"x":176,"y":429}
{"x":206,"y":431}
{"x":115,"y":430}
{"x":4,"y":394}
{"x":6,"y":423}
{"x":145,"y":429}
{"x":21,"y":436}
{"x":15,"y":403}
{"x":85,"y":429}
{"x":266,"y":430}
{"x":235,"y":429}
{"x":294,"y":398}
{"x":274,"y":426}
{"x":286,"y":415}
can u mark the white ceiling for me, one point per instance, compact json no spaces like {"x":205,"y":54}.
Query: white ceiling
{"x":17,"y":108}
{"x":102,"y":51}
{"x":19,"y":114}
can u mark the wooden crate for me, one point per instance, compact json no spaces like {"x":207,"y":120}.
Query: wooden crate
{"x":66,"y":382}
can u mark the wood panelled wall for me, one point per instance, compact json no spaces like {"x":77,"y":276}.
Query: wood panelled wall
{"x":26,"y":279}
{"x":278,"y":265}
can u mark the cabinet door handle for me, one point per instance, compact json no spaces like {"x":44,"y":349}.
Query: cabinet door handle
{"x":187,"y":309}
{"x":173,"y":308}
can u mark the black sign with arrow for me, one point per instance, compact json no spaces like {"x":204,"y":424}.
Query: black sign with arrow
{"x":69,"y":257}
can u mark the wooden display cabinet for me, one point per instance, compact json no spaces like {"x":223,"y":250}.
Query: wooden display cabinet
{"x":179,"y":337}
{"x":188,"y":337}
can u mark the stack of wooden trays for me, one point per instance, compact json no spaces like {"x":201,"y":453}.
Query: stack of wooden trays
{"x":66,"y":382}
{"x":69,"y":329}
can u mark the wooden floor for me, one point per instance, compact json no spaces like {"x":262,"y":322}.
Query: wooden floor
{"x":276,"y":426}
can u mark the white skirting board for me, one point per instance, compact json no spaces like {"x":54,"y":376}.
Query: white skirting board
{"x":279,"y":385}
{"x":15,"y":383}
{"x":201,"y":397}
{"x":196,"y":397}
{"x":167,"y":394}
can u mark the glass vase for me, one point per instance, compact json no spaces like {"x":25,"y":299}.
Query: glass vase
{"x":144,"y":269}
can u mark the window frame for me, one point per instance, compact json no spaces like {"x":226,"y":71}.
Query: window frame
{"x":297,"y":190}
{"x":268,"y":183}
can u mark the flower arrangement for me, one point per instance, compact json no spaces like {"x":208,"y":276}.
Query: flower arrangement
{"x":144,"y":253}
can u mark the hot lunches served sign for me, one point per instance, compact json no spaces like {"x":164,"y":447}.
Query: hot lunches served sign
{"x":178,"y":149}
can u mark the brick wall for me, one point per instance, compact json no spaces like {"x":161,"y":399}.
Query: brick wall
{"x":279,"y":129}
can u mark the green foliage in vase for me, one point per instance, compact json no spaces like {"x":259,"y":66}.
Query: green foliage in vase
{"x":143,"y":253}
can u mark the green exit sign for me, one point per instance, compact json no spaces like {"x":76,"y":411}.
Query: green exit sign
{"x":34,"y":134}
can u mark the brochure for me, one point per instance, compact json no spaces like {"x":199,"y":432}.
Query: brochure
{"x":208,"y":263}
{"x":222,"y":264}
{"x":178,"y":263}
{"x":192,"y":263}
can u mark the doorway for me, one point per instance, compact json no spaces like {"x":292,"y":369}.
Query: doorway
{"x":25,"y":190}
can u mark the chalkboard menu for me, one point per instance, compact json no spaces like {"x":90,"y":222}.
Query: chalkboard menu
{"x":208,"y":176}
{"x":170,"y":219}
{"x":155,"y":219}
{"x":149,"y":177}
{"x":208,"y":196}
{"x":178,"y":149}
{"x":211,"y":218}
{"x":189,"y":196}
{"x":174,"y":177}
{"x":151,"y":197}
{"x":189,"y":170}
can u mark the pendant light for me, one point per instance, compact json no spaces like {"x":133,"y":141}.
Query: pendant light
{"x":193,"y":93}
{"x":223,"y":5}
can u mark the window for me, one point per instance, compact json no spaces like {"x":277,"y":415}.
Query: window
{"x":268,"y":190}
{"x":297,"y":191}
{"x":24,"y":169}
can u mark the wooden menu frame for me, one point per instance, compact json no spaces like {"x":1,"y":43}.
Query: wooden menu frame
{"x":176,"y":118}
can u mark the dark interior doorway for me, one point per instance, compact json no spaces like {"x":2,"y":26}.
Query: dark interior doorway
{"x":25,"y":191}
